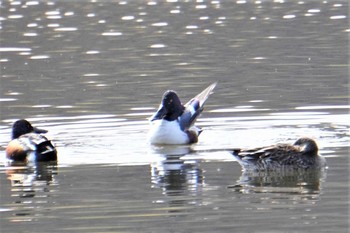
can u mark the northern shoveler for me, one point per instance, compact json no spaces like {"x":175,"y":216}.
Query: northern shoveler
{"x":27,"y":140}
{"x":173,"y":123}
{"x":302,"y":154}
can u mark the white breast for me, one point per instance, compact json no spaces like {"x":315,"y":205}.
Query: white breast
{"x":167,"y":132}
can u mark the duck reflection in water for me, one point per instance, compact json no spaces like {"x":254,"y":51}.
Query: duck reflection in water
{"x":291,"y":181}
{"x":32,"y":185}
{"x":181,"y":180}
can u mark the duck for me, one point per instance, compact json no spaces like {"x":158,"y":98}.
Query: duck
{"x":173,"y":122}
{"x":303,"y":154}
{"x":28,"y":140}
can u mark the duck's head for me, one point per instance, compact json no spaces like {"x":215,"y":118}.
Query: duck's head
{"x":308,"y":146}
{"x":170,"y":108}
{"x":22,"y":127}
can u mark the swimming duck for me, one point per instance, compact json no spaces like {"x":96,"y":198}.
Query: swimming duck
{"x":302,"y":154}
{"x":173,"y":123}
{"x":27,"y":140}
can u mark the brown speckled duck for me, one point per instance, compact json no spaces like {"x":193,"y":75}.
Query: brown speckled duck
{"x":303,"y":154}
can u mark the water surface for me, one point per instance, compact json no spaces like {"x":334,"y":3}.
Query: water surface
{"x":93,"y":73}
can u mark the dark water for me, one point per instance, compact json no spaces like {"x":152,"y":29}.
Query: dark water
{"x":92,"y":72}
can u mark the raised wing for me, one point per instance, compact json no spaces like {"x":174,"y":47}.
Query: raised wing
{"x":194,"y":107}
{"x":203,"y":96}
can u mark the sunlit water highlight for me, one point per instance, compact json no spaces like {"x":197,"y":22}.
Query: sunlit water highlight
{"x":92,"y":74}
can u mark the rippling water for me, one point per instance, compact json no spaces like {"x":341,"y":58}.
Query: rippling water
{"x":92,"y":73}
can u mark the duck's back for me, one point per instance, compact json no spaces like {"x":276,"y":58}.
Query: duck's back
{"x":19,"y":148}
{"x":275,"y":157}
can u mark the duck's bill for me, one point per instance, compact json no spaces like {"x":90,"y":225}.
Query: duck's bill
{"x":161,"y":112}
{"x":37,"y":130}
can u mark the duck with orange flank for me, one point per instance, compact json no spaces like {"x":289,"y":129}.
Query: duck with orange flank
{"x":28,"y":140}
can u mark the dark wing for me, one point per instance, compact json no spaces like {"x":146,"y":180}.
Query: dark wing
{"x":189,"y":116}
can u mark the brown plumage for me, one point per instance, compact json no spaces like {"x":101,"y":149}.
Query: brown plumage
{"x":302,"y":154}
